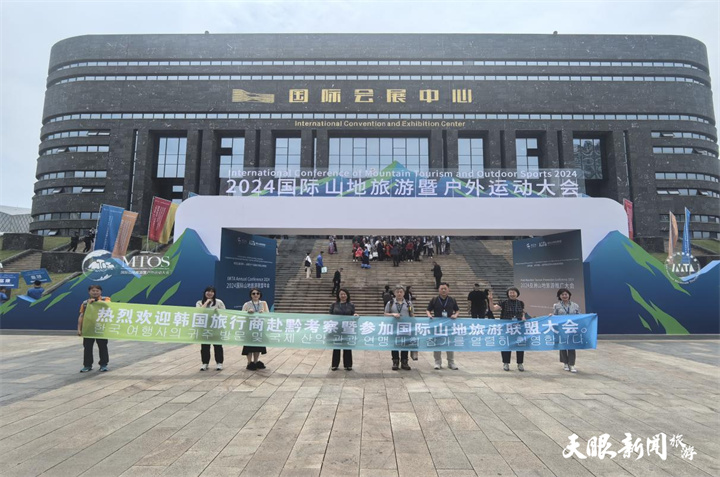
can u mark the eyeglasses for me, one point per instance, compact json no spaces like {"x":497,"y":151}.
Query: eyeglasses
{"x":255,"y":293}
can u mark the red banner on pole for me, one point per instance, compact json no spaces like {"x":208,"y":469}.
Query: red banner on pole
{"x":127,"y":223}
{"x":629,"y":211}
{"x":158,"y":215}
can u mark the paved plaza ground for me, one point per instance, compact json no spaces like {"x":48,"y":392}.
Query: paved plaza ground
{"x":155,"y":413}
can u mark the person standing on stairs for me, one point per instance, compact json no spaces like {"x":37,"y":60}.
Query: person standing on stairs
{"x":437,"y":273}
{"x":337,"y":278}
{"x":319,"y":265}
{"x":308,"y":265}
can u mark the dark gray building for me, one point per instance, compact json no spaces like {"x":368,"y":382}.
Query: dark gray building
{"x":129,"y":117}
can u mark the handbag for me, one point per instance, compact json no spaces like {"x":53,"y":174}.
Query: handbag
{"x":375,"y":255}
{"x":323,"y":270}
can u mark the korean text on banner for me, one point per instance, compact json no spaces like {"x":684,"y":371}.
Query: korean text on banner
{"x":108,"y":227}
{"x":158,"y":214}
{"x":169,"y":222}
{"x":127,"y":223}
{"x":288,"y":330}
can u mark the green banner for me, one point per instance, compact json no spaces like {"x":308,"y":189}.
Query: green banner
{"x":200,"y":325}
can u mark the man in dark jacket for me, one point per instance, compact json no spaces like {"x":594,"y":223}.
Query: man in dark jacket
{"x":336,"y":282}
{"x":437,"y":273}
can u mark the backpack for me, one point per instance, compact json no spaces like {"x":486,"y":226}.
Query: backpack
{"x":308,"y":263}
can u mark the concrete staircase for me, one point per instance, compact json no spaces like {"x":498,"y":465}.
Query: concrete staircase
{"x":30,"y":261}
{"x":295,"y":293}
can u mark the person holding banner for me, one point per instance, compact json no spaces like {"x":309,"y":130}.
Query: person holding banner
{"x":210,"y":300}
{"x":95,"y":292}
{"x":399,"y":308}
{"x":512,"y":309}
{"x":342,"y":306}
{"x":443,"y":306}
{"x":255,"y":305}
{"x":566,"y":307}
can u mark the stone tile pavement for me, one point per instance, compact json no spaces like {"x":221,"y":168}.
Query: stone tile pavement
{"x":155,"y":413}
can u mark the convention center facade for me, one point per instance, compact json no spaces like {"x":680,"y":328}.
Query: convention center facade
{"x":132,"y":117}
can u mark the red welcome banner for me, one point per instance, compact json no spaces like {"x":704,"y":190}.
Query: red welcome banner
{"x":629,"y":211}
{"x":158,"y":215}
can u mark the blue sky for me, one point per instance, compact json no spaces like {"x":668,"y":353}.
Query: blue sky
{"x":29,"y":29}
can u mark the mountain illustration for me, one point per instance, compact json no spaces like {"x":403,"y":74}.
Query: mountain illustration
{"x":633,"y":293}
{"x":191,"y":269}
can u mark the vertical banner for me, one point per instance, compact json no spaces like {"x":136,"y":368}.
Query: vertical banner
{"x":158,"y":214}
{"x":108,"y":227}
{"x":672,"y":235}
{"x":169,"y":223}
{"x":686,"y":238}
{"x":246,"y":261}
{"x":542,"y":265}
{"x":629,"y":211}
{"x":127,"y":223}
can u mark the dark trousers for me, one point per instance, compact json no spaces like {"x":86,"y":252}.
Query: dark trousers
{"x":336,"y":288}
{"x":318,"y":271}
{"x":396,"y":260}
{"x":205,"y":353}
{"x":567,"y":356}
{"x":399,"y":354}
{"x":520,"y":355}
{"x":346,"y":356}
{"x":88,"y":354}
{"x":478,"y":313}
{"x":437,"y":282}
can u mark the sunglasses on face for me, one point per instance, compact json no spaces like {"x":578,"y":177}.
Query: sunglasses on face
{"x":255,"y":293}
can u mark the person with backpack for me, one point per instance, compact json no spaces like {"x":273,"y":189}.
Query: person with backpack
{"x":399,"y":308}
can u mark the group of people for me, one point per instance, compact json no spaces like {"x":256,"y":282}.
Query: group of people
{"x":398,"y":248}
{"x":87,"y":239}
{"x":398,"y":305}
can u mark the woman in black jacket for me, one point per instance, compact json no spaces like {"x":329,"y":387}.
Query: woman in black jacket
{"x":343,"y":306}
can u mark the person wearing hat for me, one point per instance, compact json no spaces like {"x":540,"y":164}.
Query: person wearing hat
{"x":512,"y":309}
{"x":478,"y":302}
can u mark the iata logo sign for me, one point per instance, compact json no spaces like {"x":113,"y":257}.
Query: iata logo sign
{"x":683,"y":266}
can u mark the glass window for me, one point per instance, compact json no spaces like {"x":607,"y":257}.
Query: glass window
{"x":287,"y":153}
{"x":232,"y":156}
{"x":470,"y":154}
{"x":171,"y":157}
{"x":588,"y":155}
{"x":527,"y":154}
{"x":361,"y":154}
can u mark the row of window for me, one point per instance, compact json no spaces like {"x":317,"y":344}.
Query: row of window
{"x":684,"y":150}
{"x":711,"y":219}
{"x":681,"y":134}
{"x":473,"y":116}
{"x":58,"y":150}
{"x":692,"y":192}
{"x":358,"y":153}
{"x":71,"y":174}
{"x":70,"y":190}
{"x":67,"y":216}
{"x":700,"y":234}
{"x":85,"y":133}
{"x":682,"y":176}
{"x":642,"y":64}
{"x":663,"y":79}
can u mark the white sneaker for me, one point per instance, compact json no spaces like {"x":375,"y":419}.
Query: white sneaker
{"x":437,"y":366}
{"x":521,"y":367}
{"x":219,"y":366}
{"x":452,"y":366}
{"x":506,"y":367}
{"x":566,"y":367}
{"x":204,"y":367}
{"x":572,"y":369}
